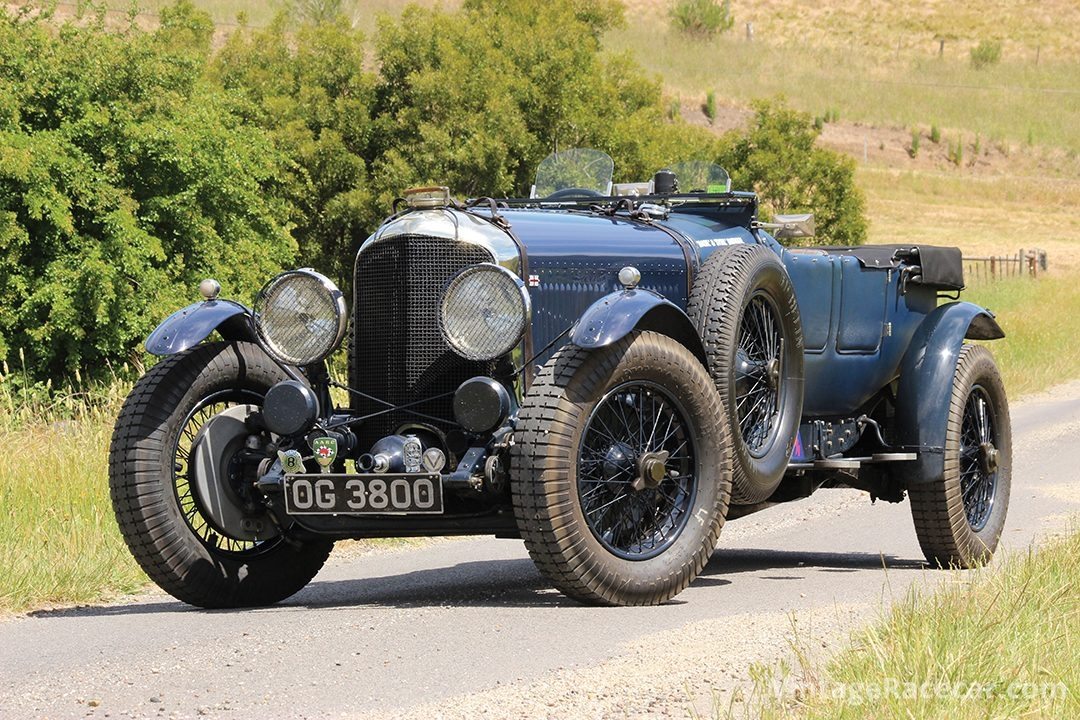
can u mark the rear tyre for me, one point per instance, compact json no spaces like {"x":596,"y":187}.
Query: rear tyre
{"x":959,"y":519}
{"x":180,"y":544}
{"x":620,"y":471}
{"x":744,"y":308}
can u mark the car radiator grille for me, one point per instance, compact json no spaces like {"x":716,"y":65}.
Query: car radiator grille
{"x":399,"y":354}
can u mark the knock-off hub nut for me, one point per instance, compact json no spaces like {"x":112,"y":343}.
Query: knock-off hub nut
{"x":988,"y":458}
{"x":652,"y":469}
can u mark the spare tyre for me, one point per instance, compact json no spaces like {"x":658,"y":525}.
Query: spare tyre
{"x":745,"y":311}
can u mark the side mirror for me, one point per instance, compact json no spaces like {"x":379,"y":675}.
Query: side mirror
{"x":786,"y":227}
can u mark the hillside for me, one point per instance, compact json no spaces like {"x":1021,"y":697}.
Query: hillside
{"x":1023,"y":26}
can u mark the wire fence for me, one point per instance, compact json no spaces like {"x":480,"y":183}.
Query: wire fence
{"x":1029,"y":263}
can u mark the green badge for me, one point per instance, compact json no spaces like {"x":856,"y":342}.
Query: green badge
{"x":292,"y":462}
{"x":325,"y":452}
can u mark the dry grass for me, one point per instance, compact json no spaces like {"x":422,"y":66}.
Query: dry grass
{"x":1016,"y":101}
{"x":1022,"y":25}
{"x":996,"y":643}
{"x":981,"y":215}
{"x":997,"y":216}
{"x":59,"y":543}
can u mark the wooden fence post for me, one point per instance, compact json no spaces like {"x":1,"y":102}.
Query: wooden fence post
{"x":993,"y":266}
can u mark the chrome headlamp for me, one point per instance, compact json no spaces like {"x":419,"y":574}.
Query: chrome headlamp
{"x":484,"y":312}
{"x":300,"y":317}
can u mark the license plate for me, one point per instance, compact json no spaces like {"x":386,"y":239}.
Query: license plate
{"x":390,"y":494}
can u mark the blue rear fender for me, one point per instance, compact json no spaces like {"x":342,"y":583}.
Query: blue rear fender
{"x":189,"y":326}
{"x":614,"y":316}
{"x":926,"y":381}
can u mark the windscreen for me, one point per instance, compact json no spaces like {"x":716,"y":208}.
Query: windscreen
{"x":700,"y":176}
{"x":575,"y":168}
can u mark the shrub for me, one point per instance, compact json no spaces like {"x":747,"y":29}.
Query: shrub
{"x":913,"y":150}
{"x":315,"y":12}
{"x":309,"y":94}
{"x":709,"y":108}
{"x":124,"y":179}
{"x":702,"y":18}
{"x":674,"y":109}
{"x":935,"y":134}
{"x":956,"y":152}
{"x":779,"y":160}
{"x":986,"y":53}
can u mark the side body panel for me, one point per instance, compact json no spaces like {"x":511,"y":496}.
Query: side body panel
{"x":857,"y":325}
{"x":574,"y":260}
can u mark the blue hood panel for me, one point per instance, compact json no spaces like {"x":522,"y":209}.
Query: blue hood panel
{"x":574,"y":259}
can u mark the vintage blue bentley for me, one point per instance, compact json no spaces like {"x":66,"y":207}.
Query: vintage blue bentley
{"x":606,"y":371}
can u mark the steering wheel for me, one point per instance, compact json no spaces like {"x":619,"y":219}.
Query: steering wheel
{"x":573,"y":192}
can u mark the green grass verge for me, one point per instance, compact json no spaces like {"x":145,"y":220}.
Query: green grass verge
{"x":1041,"y":319}
{"x":59,"y":543}
{"x":996,"y":643}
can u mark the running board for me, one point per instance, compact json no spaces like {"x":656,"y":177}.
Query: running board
{"x":853,"y":463}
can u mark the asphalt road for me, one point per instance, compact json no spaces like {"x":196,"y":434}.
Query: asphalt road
{"x":468,"y":628}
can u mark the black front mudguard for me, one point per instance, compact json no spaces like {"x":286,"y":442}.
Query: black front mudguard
{"x":926,"y":383}
{"x":189,"y":326}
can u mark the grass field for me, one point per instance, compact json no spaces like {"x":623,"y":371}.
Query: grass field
{"x":1023,"y":26}
{"x":58,"y":540}
{"x":862,"y":86}
{"x":982,"y":215}
{"x":995,"y":643}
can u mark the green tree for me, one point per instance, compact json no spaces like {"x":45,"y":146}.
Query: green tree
{"x":124,"y":179}
{"x":778,"y":159}
{"x":311,"y":95}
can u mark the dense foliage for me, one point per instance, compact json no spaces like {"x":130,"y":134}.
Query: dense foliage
{"x":133,"y":163}
{"x":124,"y":177}
{"x":780,"y":139}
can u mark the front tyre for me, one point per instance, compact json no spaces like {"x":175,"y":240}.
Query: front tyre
{"x":621,"y":471}
{"x":209,"y":545}
{"x":960,"y":518}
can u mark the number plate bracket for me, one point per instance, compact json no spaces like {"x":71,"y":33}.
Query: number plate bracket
{"x":369,"y":494}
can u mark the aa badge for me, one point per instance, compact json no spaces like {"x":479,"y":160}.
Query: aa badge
{"x":325,"y":452}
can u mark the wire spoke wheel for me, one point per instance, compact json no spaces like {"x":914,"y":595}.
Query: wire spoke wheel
{"x":960,"y":515}
{"x":187,"y":499}
{"x":978,"y":458}
{"x":621,"y":470}
{"x":743,"y":306}
{"x":182,"y":472}
{"x":637,"y":470}
{"x":758,"y":358}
